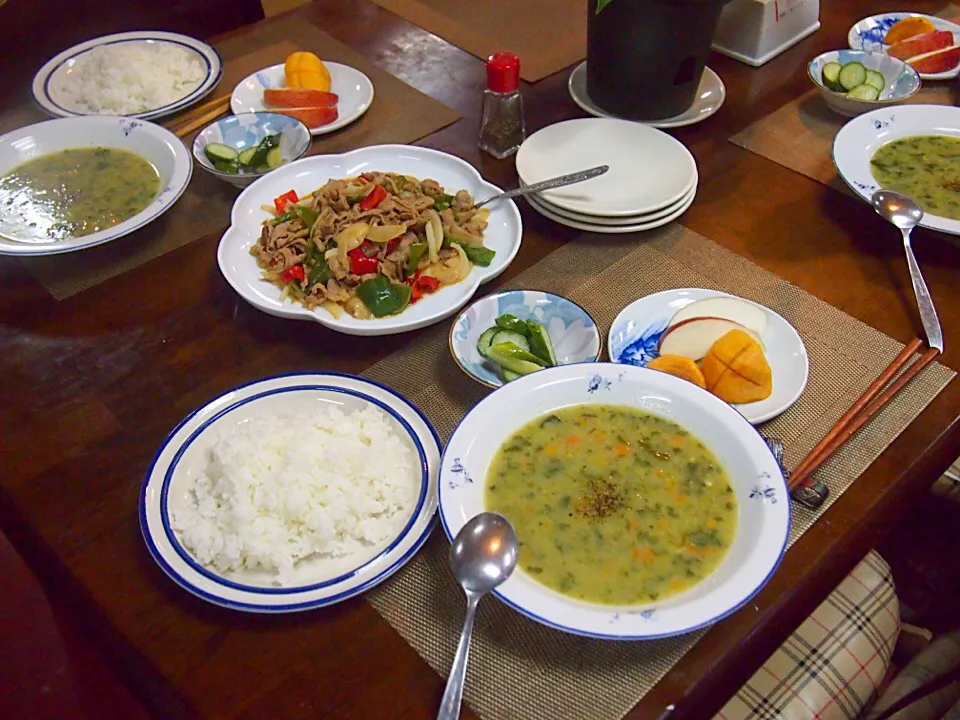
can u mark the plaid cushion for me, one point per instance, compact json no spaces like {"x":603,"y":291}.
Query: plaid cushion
{"x":830,"y":668}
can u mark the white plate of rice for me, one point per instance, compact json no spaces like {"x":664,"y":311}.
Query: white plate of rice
{"x":292,"y":493}
{"x":135,"y":74}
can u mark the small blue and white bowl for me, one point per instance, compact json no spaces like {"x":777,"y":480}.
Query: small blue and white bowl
{"x":246,"y":130}
{"x":902,"y":80}
{"x":572,"y":331}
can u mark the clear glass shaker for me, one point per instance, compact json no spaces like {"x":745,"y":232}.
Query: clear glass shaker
{"x":502,"y":128}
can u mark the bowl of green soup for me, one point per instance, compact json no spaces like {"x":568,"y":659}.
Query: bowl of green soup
{"x":645,"y":507}
{"x":77,"y":182}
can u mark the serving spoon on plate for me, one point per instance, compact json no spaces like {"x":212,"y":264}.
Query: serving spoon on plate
{"x":483,"y":556}
{"x":547,"y":184}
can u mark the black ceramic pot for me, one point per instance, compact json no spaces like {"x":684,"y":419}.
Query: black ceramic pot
{"x":645,"y":57}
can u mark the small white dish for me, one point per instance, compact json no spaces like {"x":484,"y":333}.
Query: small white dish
{"x":649,"y":169}
{"x":675,"y":212}
{"x":572,"y":331}
{"x":859,"y":139}
{"x":636,"y":331}
{"x":868,"y":34}
{"x":503,"y":233}
{"x":594,"y":220}
{"x":755,"y":477}
{"x":903,"y":82}
{"x":157,"y":145}
{"x":710,"y":96}
{"x":318,"y":583}
{"x":50,"y":83}
{"x":245,"y":131}
{"x":352,"y":87}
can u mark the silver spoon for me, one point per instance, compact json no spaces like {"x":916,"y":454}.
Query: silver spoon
{"x":548,"y":184}
{"x":905,"y":213}
{"x":482,"y":556}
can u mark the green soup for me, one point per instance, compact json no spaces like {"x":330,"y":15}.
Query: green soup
{"x":925,"y":167}
{"x":613,"y":505}
{"x":74,"y":192}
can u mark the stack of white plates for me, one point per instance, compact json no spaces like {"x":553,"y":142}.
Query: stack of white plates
{"x":652,"y":178}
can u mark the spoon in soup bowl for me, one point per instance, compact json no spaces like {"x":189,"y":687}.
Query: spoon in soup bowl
{"x":483,"y":556}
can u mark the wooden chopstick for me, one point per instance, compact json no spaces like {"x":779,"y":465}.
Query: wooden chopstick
{"x":196,"y":111}
{"x":198,"y":120}
{"x":863,"y":410}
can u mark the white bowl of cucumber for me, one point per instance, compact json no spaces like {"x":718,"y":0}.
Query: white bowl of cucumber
{"x":242,"y":148}
{"x":516,"y":332}
{"x":858,"y":81}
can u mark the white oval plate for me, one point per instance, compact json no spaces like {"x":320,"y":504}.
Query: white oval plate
{"x":764,"y":504}
{"x":164,"y":150}
{"x":649,"y":169}
{"x":710,"y":96}
{"x":868,"y":34}
{"x":636,"y":331}
{"x":659,"y":220}
{"x":860,"y":138}
{"x":354,"y":89}
{"x":49,"y":82}
{"x":183,"y":455}
{"x":502,"y":235}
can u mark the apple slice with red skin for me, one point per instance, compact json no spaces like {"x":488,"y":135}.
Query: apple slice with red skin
{"x":693,"y":338}
{"x":728,"y":308}
{"x":920,"y":44}
{"x":937,"y":61}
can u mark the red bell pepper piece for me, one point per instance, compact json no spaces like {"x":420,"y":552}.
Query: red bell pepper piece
{"x":280,"y":203}
{"x":294,"y":273}
{"x":373,"y":198}
{"x":421,"y":285}
{"x":360,"y":264}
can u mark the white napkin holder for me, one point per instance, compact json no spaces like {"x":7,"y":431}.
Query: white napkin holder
{"x":756,"y":31}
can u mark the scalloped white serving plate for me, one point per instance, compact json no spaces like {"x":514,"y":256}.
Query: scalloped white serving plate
{"x":502,"y":235}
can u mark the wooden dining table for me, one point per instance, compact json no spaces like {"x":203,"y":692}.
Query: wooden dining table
{"x":93,"y":383}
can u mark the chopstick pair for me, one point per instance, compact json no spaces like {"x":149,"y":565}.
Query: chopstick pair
{"x":880,"y":392}
{"x":199,"y":116}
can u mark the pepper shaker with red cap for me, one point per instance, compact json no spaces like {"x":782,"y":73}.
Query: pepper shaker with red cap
{"x":502,"y":128}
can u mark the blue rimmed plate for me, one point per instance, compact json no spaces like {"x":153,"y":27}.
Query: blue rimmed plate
{"x":755,"y":477}
{"x":868,"y":34}
{"x":636,"y":331}
{"x":53,"y":85}
{"x":572,"y":331}
{"x":316,"y":583}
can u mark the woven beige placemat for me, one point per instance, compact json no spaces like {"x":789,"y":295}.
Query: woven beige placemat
{"x":547,"y":35}
{"x":800,"y":134}
{"x":520,"y":669}
{"x":399,"y":114}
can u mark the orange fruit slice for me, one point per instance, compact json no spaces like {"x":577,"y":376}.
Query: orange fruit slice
{"x":681,"y":367}
{"x":736,"y":370}
{"x":907,"y":28}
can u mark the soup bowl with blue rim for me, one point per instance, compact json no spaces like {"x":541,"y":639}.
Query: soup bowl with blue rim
{"x":901,"y":80}
{"x":245,"y":131}
{"x":573,"y":333}
{"x":758,"y":491}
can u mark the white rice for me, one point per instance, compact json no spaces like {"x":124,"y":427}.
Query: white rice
{"x":127,"y":78}
{"x":280,"y":489}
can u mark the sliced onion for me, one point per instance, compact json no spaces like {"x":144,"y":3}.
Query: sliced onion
{"x":385,"y":233}
{"x":434,"y":229}
{"x":350,"y":237}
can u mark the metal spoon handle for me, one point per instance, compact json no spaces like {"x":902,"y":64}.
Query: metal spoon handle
{"x":452,"y":696}
{"x":928,"y":314}
{"x":549,"y":184}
